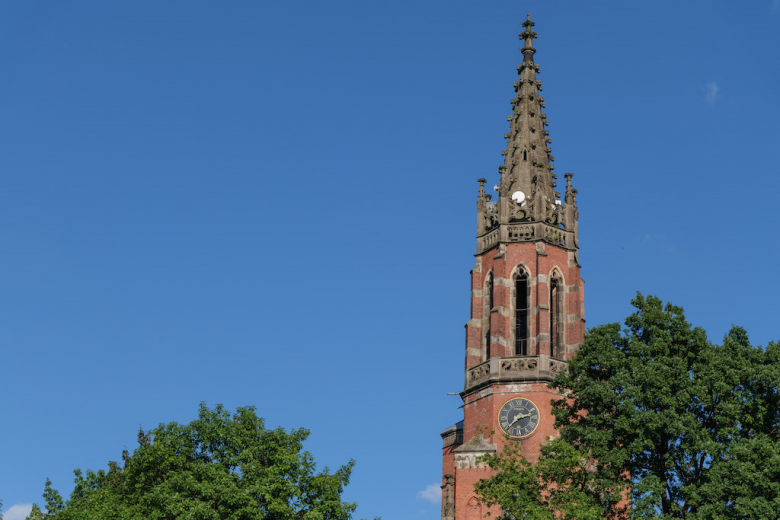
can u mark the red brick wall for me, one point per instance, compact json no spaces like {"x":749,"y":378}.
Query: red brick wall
{"x":481,"y":408}
{"x":537,"y":264}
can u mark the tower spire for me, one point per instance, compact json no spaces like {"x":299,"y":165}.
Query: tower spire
{"x":527,"y":191}
{"x":528,"y":164}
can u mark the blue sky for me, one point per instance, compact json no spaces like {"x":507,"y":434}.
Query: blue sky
{"x":273,"y":204}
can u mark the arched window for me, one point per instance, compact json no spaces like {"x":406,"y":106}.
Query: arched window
{"x":556,"y":316}
{"x":487,"y":306}
{"x":522,"y":304}
{"x":525,"y":155}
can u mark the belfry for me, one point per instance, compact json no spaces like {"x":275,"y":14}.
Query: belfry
{"x":527,"y":314}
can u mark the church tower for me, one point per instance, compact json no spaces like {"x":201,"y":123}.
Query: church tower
{"x":527,"y":315}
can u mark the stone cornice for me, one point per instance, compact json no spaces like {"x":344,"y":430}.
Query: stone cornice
{"x":512,"y":369}
{"x":526,"y":232}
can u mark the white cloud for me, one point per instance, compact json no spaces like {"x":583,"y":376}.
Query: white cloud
{"x":712,"y":92}
{"x":432,"y":494}
{"x":17,"y":512}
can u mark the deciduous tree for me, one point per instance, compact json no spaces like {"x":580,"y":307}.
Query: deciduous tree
{"x":688,"y":428}
{"x":218,"y":467}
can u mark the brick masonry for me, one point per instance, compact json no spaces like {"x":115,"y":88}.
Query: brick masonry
{"x":480,"y":431}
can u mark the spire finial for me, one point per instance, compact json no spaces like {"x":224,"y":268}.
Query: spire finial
{"x":528,"y":23}
{"x":528,"y":36}
{"x":481,"y":196}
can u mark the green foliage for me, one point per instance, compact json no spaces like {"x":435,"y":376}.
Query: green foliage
{"x":217,"y":467}
{"x":36,"y":513}
{"x":561,"y":481}
{"x":692,"y":429}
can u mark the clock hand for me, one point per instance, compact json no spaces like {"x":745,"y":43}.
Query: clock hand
{"x":518,"y":417}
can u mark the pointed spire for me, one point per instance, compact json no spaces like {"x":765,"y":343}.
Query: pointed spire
{"x":527,"y":196}
{"x":528,"y":164}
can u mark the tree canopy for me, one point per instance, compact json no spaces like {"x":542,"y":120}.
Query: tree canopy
{"x":655,"y":422}
{"x":220,"y":466}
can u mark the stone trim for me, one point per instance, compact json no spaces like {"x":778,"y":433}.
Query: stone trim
{"x":452,"y":435}
{"x":556,"y":271}
{"x":500,"y":340}
{"x":539,"y":233}
{"x":502,"y":281}
{"x":511,"y":369}
{"x":467,"y":454}
{"x":487,"y":292}
{"x":448,"y":497}
{"x":469,"y":460}
{"x":503,"y":311}
{"x":508,"y":282}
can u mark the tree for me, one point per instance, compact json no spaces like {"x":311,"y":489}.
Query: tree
{"x":220,"y":466}
{"x":561,"y":485}
{"x":685,"y":428}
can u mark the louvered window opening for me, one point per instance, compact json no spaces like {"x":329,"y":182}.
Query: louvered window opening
{"x":555,"y":319}
{"x":521,"y":315}
{"x":487,"y":310}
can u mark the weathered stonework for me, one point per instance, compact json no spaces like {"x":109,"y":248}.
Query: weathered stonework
{"x":467,"y":456}
{"x":510,"y":369}
{"x":453,"y":436}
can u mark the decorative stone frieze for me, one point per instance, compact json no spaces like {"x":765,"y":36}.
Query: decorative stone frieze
{"x":512,"y":369}
{"x":527,"y":232}
{"x":467,"y":456}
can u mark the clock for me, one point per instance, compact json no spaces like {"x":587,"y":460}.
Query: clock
{"x":518,"y":417}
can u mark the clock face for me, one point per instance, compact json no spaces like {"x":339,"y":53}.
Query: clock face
{"x":518,"y":417}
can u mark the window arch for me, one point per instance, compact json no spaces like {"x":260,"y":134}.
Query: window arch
{"x":521,"y":303}
{"x":556,"y":315}
{"x":473,"y":509}
{"x":487,"y":306}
